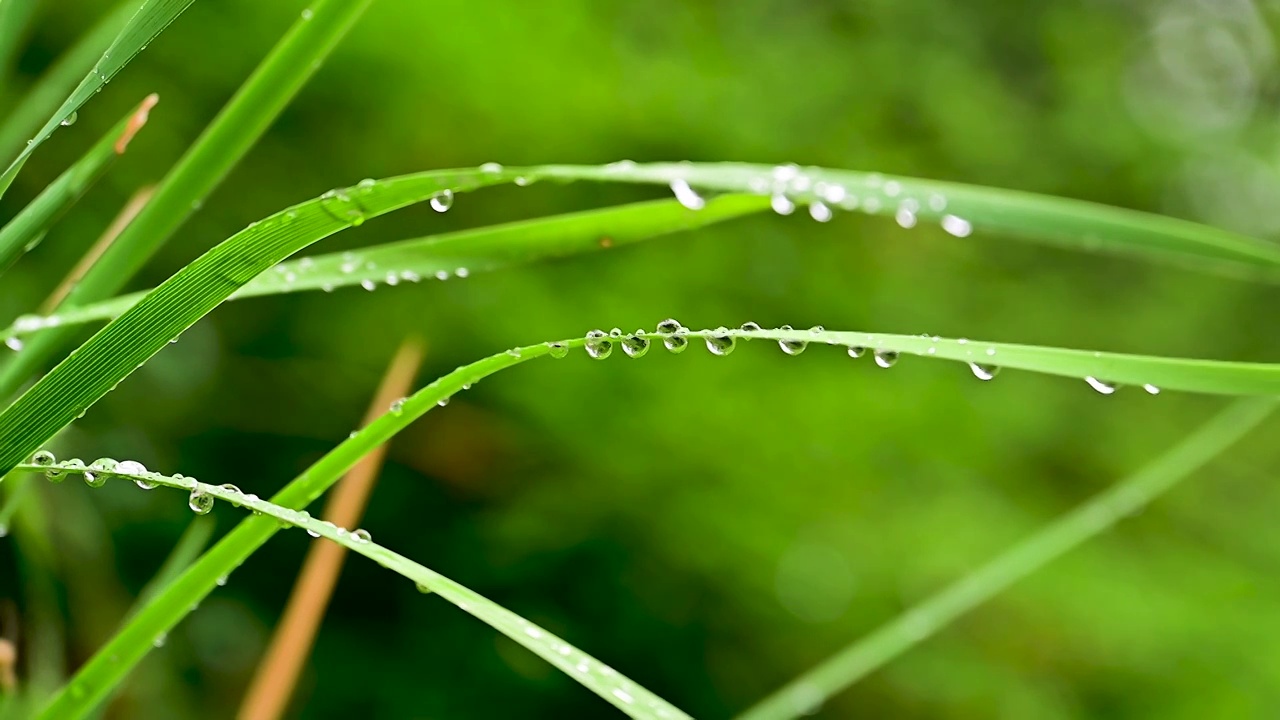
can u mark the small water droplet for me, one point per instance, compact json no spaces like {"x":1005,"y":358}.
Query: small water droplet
{"x":749,"y":326}
{"x":442,"y":201}
{"x":819,"y":211}
{"x":598,"y":346}
{"x":491,"y":168}
{"x":341,"y":208}
{"x":1102,"y":386}
{"x":984,"y":372}
{"x":159,"y":641}
{"x":886,"y":358}
{"x":782,"y":204}
{"x":721,"y":342}
{"x":686,"y":195}
{"x":442,"y":401}
{"x":792,"y":347}
{"x":43,"y":458}
{"x":70,"y":119}
{"x":905,"y":216}
{"x":635,"y":346}
{"x":669,"y":326}
{"x":1151,"y":389}
{"x":222,"y":581}
{"x":557,"y":350}
{"x":200,"y":501}
{"x":397,"y":406}
{"x":856,"y":351}
{"x":361,"y":535}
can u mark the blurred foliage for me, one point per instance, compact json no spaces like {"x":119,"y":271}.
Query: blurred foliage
{"x":710,"y":527}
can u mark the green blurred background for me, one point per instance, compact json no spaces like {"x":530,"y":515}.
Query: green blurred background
{"x":711,"y":527}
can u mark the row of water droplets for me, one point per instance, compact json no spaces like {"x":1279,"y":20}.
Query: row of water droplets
{"x":787,"y":183}
{"x":722,"y":341}
{"x":201,"y":496}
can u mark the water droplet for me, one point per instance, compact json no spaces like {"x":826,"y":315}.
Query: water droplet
{"x":159,"y":641}
{"x":892,"y":188}
{"x":721,"y":342}
{"x":984,"y":372}
{"x":43,"y":458}
{"x":423,"y":588}
{"x":442,"y":201}
{"x":597,"y":345}
{"x":749,"y":326}
{"x":222,"y":581}
{"x":70,"y":119}
{"x":676,"y":343}
{"x":1151,"y":389}
{"x":340,"y":207}
{"x":313,"y":533}
{"x":557,"y":350}
{"x":886,"y":358}
{"x":782,"y":204}
{"x":956,"y":225}
{"x":635,"y":346}
{"x":397,"y":407}
{"x":615,"y":333}
{"x":819,"y":211}
{"x":491,"y":168}
{"x":200,"y":501}
{"x":369,"y":285}
{"x":54,"y":474}
{"x":307,"y":14}
{"x":792,"y":347}
{"x":1102,"y":386}
{"x":856,"y":351}
{"x":442,"y":401}
{"x":905,"y":216}
{"x":669,"y":326}
{"x":686,"y":195}
{"x":623,"y":695}
{"x":361,"y":535}
{"x":462,"y":272}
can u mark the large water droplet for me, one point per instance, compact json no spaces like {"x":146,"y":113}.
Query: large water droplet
{"x":792,"y":347}
{"x":635,"y":346}
{"x":598,"y":345}
{"x":886,"y":358}
{"x":43,"y":458}
{"x":721,"y":342}
{"x":1102,"y":386}
{"x":200,"y":501}
{"x":442,"y":201}
{"x":686,"y":195}
{"x":983,"y":372}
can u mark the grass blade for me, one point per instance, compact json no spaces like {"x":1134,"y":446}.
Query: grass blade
{"x":959,"y":209}
{"x":442,"y":256}
{"x":606,"y":682}
{"x":248,"y":114}
{"x":25,"y":230}
{"x":150,"y":20}
{"x":128,"y":341}
{"x":42,"y":99}
{"x":806,"y":693}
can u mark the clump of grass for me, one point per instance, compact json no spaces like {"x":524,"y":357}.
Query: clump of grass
{"x":255,"y":262}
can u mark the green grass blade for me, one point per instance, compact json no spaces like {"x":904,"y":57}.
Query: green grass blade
{"x":128,"y":341}
{"x":150,"y":20}
{"x":442,"y":256}
{"x":25,"y":230}
{"x":811,"y":689}
{"x":246,"y":116}
{"x":606,"y":682}
{"x":960,"y":209}
{"x":115,"y":659}
{"x":23,"y":120}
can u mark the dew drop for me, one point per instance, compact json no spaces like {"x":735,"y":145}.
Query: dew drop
{"x":956,"y":226}
{"x":856,"y":351}
{"x":369,"y":285}
{"x":819,"y":211}
{"x":782,"y":204}
{"x":397,"y":407}
{"x":749,"y":326}
{"x":792,"y":347}
{"x":200,"y":501}
{"x":635,"y":346}
{"x":598,"y":346}
{"x":676,"y":344}
{"x":222,"y":581}
{"x":1102,"y":386}
{"x":361,"y":535}
{"x":905,"y":216}
{"x":1151,"y":389}
{"x":886,"y":358}
{"x":721,"y":342}
{"x":686,"y":195}
{"x":442,"y":401}
{"x":307,"y":14}
{"x":491,"y":168}
{"x":984,"y":372}
{"x":70,"y":119}
{"x":557,"y":350}
{"x":43,"y":458}
{"x":442,"y":201}
{"x":670,"y":326}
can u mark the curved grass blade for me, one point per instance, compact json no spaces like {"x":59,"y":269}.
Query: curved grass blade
{"x":447,"y":255}
{"x":118,"y":657}
{"x":606,"y":682}
{"x":807,"y":692}
{"x":25,"y":230}
{"x":959,"y":209}
{"x":42,"y":99}
{"x":127,"y":342}
{"x":246,"y":116}
{"x":150,"y":20}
